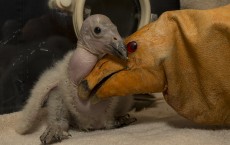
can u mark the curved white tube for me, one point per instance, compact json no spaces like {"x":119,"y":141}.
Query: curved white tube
{"x":79,"y":9}
{"x":145,"y":13}
{"x":78,"y":15}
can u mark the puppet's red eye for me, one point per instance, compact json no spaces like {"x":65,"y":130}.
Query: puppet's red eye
{"x":132,"y":46}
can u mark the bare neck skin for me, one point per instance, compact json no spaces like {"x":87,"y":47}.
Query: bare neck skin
{"x":81,"y":63}
{"x":98,"y":36}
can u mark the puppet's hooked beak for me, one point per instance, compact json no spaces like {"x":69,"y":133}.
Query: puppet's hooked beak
{"x":103,"y":70}
{"x":119,"y":49}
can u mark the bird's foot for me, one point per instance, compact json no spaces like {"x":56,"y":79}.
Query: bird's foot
{"x":53,"y":133}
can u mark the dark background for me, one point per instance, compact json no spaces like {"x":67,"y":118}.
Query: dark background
{"x":33,"y":37}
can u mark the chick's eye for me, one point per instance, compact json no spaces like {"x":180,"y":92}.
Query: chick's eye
{"x":132,"y":46}
{"x":97,"y":30}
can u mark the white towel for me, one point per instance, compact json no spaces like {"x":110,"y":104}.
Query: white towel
{"x":155,"y":126}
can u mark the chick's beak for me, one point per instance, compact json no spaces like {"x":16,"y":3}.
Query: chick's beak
{"x":119,"y":49}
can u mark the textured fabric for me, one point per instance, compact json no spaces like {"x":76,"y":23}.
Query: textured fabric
{"x":157,"y":126}
{"x":186,"y":55}
{"x":197,"y":70}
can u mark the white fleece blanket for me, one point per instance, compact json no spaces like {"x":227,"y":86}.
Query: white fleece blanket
{"x":155,"y":126}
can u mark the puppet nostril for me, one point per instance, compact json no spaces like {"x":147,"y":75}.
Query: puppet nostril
{"x":114,"y":38}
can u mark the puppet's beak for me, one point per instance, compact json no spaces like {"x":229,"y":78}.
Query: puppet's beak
{"x":103,"y":70}
{"x":119,"y":49}
{"x":111,"y":77}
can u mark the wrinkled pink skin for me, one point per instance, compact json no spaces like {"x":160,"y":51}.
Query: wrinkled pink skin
{"x":81,"y":63}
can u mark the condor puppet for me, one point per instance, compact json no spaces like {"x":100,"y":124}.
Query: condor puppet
{"x":184,"y":54}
